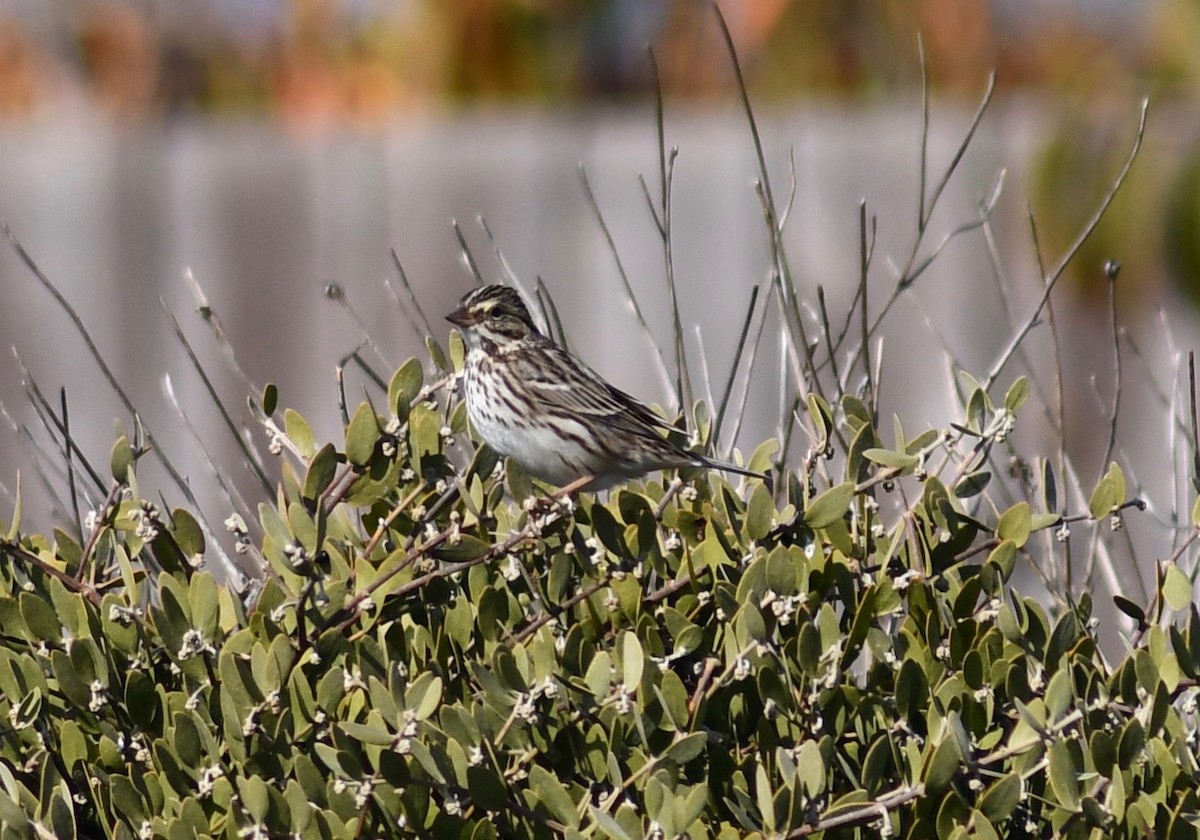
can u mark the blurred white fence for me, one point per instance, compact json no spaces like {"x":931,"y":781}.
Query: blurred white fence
{"x":266,"y":220}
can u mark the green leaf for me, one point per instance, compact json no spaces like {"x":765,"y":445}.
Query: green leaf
{"x":682,"y":750}
{"x":321,"y":470}
{"x":1064,"y":778}
{"x":299,"y":432}
{"x":126,"y":798}
{"x":674,"y":698}
{"x":1130,"y":609}
{"x":944,"y":764}
{"x":72,"y":744}
{"x":187,"y":532}
{"x":553,"y":795}
{"x":1001,"y":799}
{"x":978,"y":409}
{"x":924,"y":442}
{"x":765,"y":795}
{"x":205,"y":604}
{"x":821,"y":416}
{"x":891,"y":458}
{"x":760,"y":459}
{"x":981,"y":829}
{"x":1131,"y":743}
{"x":424,"y":694}
{"x":598,"y":677}
{"x":759,"y":513}
{"x":62,"y":813}
{"x":1177,"y":589}
{"x":486,"y":788}
{"x":606,"y":527}
{"x":12,"y":817}
{"x":750,"y":625}
{"x":999,"y":566}
{"x":608,"y":825}
{"x":255,"y":796}
{"x":1109,"y":493}
{"x":484,"y":462}
{"x":30,"y":707}
{"x":781,"y":571}
{"x":40,"y":618}
{"x":14,"y":530}
{"x":810,"y":767}
{"x":1098,"y":817}
{"x":701,"y":422}
{"x":1044,"y":520}
{"x":632,"y":660}
{"x":404,"y":387}
{"x":973,"y":484}
{"x":466,"y":547}
{"x":1196,"y":513}
{"x":912,"y":691}
{"x":270,"y":399}
{"x":379,"y":736}
{"x":436,"y":354}
{"x":1017,"y":394}
{"x":1015,"y":524}
{"x":121,"y":459}
{"x":458,"y":350}
{"x":520,"y":486}
{"x":857,"y":467}
{"x":1033,"y":716}
{"x":1049,"y":486}
{"x":361,"y":435}
{"x":1058,"y":691}
{"x":830,"y":506}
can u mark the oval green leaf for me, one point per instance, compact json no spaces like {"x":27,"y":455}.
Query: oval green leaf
{"x":830,"y":506}
{"x":1015,"y":524}
{"x":361,"y":434}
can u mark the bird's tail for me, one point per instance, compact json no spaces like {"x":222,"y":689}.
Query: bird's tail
{"x":725,"y":466}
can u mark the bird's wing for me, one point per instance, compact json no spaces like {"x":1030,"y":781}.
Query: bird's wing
{"x":574,"y":388}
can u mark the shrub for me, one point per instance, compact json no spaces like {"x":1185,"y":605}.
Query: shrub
{"x":436,"y":649}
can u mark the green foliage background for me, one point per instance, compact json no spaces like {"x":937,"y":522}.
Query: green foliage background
{"x":443,"y":652}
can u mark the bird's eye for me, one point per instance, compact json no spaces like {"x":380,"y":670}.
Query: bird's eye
{"x":495,"y":313}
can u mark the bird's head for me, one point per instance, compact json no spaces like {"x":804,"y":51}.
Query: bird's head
{"x":495,"y":314}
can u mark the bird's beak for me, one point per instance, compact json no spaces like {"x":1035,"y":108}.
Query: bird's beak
{"x":461,"y":317}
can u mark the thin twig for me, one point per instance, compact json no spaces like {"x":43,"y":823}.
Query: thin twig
{"x":630,"y":298}
{"x":42,"y":407}
{"x":922,"y":175}
{"x":413,"y":303}
{"x":909,"y":274}
{"x":210,"y":317}
{"x":789,"y":307}
{"x":737,"y":360}
{"x":705,"y":377}
{"x":17,"y":553}
{"x":666,"y":177}
{"x":68,"y":447}
{"x":336,"y":292}
{"x":467,"y":255}
{"x":1111,"y":269}
{"x":863,"y":264}
{"x":550,"y":314}
{"x":1052,"y":279}
{"x":230,"y":491}
{"x":1195,"y":425}
{"x":743,"y":397}
{"x":251,"y":456}
{"x":94,"y":351}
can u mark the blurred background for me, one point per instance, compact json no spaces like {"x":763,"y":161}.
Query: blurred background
{"x":275,"y":147}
